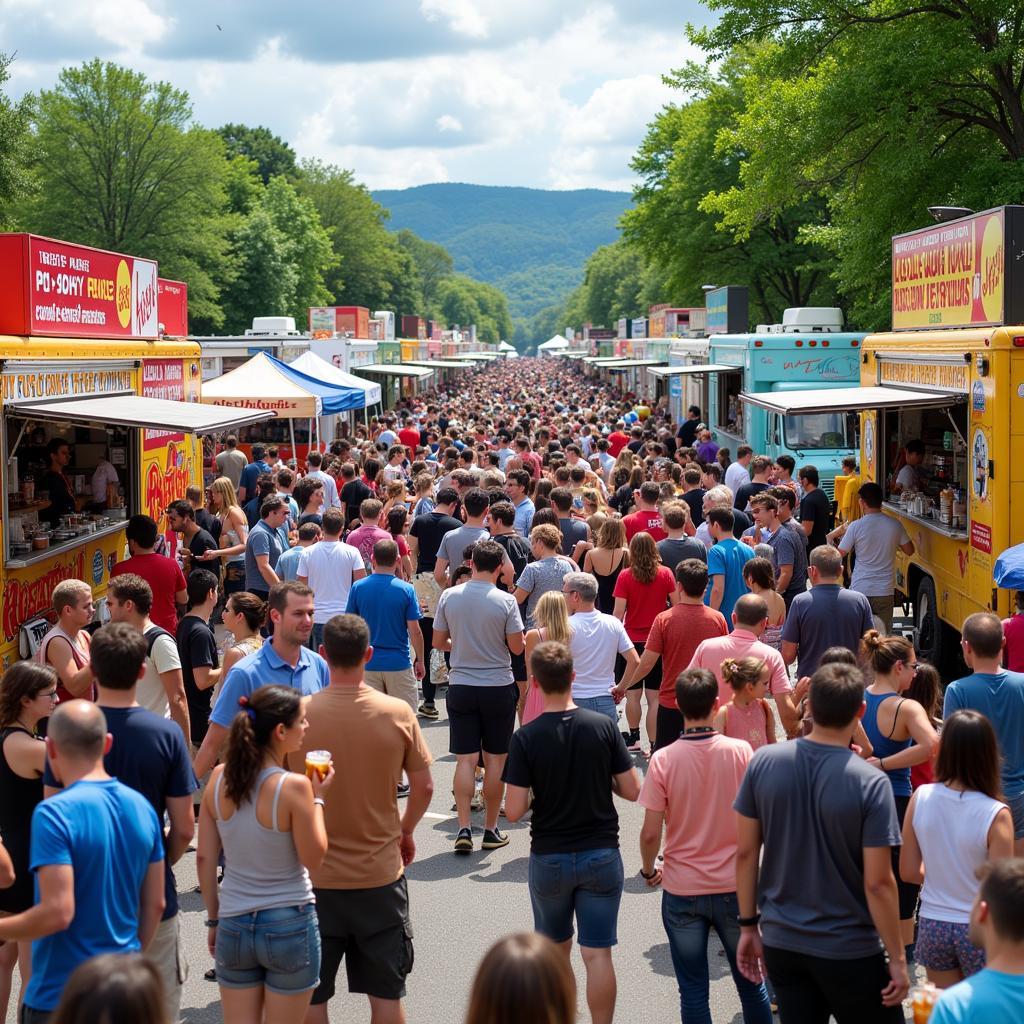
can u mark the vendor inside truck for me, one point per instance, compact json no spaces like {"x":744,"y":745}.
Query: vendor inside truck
{"x":909,"y":477}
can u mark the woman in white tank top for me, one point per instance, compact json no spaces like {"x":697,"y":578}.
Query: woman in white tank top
{"x":952,"y":827}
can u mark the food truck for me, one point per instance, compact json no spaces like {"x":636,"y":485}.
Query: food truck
{"x":950,"y":375}
{"x":808,"y":350}
{"x":81,"y":361}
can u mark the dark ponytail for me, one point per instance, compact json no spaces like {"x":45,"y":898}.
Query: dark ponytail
{"x":261,"y":713}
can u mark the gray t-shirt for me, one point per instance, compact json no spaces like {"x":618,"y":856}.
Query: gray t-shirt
{"x":790,"y":548}
{"x":825,"y":616}
{"x":540,"y":577}
{"x":478,"y":616}
{"x":262,"y":541}
{"x":674,"y":551}
{"x":818,"y":806}
{"x":874,"y":539}
{"x":455,"y":542}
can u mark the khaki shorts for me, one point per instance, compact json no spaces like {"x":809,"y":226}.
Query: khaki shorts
{"x":166,"y":954}
{"x":400,"y":683}
{"x":883,"y":608}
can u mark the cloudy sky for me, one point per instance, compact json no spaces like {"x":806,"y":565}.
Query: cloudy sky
{"x":542,"y":93}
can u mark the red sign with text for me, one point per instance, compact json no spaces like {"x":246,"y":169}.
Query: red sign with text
{"x":172,"y":307}
{"x":72,"y":291}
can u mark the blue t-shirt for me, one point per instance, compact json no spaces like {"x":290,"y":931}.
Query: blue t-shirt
{"x":263,"y":540}
{"x":250,"y":475}
{"x":999,"y":697}
{"x":110,"y":835}
{"x":727,"y":558}
{"x":263,"y":667}
{"x":387,"y":604}
{"x":287,"y":567}
{"x":988,"y":997}
{"x":148,"y":755}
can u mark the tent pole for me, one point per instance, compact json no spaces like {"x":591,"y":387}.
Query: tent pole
{"x":291,"y":431}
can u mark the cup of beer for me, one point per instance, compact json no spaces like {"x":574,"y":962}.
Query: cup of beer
{"x":922,"y":1002}
{"x":318,"y":761}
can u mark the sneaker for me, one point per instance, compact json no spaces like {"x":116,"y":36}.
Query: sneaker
{"x":633,"y":744}
{"x":403,"y":789}
{"x":494,"y":839}
{"x":426,"y":710}
{"x":464,"y":840}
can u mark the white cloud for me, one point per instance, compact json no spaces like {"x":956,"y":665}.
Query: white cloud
{"x":464,"y":16}
{"x":447,"y":123}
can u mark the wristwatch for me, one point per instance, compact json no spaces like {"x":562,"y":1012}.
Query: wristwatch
{"x":643,"y":874}
{"x":748,"y":922}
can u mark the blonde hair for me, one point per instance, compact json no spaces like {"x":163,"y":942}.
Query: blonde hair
{"x":548,"y":535}
{"x":643,"y":558}
{"x":67,"y":593}
{"x":611,"y":535}
{"x":741,"y":672}
{"x":552,"y":616}
{"x":224,"y":490}
{"x":396,"y":489}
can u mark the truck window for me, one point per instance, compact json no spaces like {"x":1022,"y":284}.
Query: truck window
{"x":821,"y":430}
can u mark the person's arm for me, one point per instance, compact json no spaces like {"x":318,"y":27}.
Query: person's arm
{"x":263,"y":565}
{"x":720,"y":719}
{"x":77,"y":681}
{"x":25,"y":756}
{"x":53,"y":912}
{"x":516,"y":642}
{"x":788,"y":652}
{"x":807,"y":525}
{"x":789,"y":715}
{"x":205,"y":677}
{"x":442,"y":639}
{"x":883,"y":905}
{"x":517,"y":801}
{"x":207,"y":856}
{"x":421,"y":789}
{"x":520,"y":595}
{"x":508,"y":572}
{"x":235,"y":521}
{"x":619,"y":609}
{"x":911,"y":860}
{"x":152,"y":902}
{"x":627,"y":785}
{"x":309,"y":833}
{"x":1000,"y":836}
{"x":210,"y":749}
{"x":182,"y":826}
{"x":650,"y":844}
{"x":637,"y":667}
{"x":782,"y":580}
{"x":717,"y":592}
{"x":750,"y":951}
{"x":7,"y":873}
{"x":416,"y":640}
{"x":908,"y":548}
{"x":440,"y":570}
{"x":174,"y":687}
{"x":922,"y":732}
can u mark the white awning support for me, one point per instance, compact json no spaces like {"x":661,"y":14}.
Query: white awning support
{"x":795,"y":403}
{"x":686,"y":371}
{"x":395,"y":370}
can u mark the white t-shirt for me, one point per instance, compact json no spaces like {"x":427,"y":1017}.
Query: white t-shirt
{"x":909,"y":478}
{"x":596,"y":639}
{"x":875,"y":538}
{"x":736,"y":476}
{"x":150,"y":692}
{"x":328,"y":566}
{"x":104,"y":474}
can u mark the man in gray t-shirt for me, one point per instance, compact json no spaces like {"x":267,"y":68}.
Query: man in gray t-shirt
{"x":789,"y":548}
{"x":825,"y":886}
{"x":481,"y":627}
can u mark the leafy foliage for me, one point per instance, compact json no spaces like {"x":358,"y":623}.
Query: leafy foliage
{"x":15,"y":183}
{"x":272,"y":155}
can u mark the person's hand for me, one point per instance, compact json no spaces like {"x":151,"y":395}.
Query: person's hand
{"x":748,"y":540}
{"x":874,"y":762}
{"x":407,"y":848}
{"x":800,"y":690}
{"x":211,"y":940}
{"x":320,"y":786}
{"x":617,"y":693}
{"x":207,"y":555}
{"x":750,"y":955}
{"x":654,"y":880}
{"x":418,"y":670}
{"x":899,"y":985}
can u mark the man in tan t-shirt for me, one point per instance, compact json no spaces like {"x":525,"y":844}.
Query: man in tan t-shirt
{"x":362,"y":900}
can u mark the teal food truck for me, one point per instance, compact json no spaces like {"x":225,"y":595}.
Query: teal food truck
{"x":808,"y":350}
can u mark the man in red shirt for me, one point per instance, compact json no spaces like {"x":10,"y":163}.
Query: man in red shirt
{"x":674,"y":637}
{"x":530,"y":460}
{"x":409,"y":436}
{"x":163,"y":574}
{"x":646,"y":518}
{"x":617,"y":439}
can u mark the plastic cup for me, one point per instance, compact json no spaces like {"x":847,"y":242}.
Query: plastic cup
{"x":922,"y":1002}
{"x":318,"y":761}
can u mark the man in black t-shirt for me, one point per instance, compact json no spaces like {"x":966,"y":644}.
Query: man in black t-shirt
{"x":815,"y":509}
{"x":353,"y":492}
{"x":197,"y":650}
{"x":207,"y":520}
{"x":181,"y":517}
{"x":425,"y":536}
{"x":573,"y":759}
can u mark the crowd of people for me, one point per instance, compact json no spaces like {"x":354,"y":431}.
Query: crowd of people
{"x":601,"y":604}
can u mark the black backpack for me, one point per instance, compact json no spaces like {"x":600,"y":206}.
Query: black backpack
{"x":152,"y":635}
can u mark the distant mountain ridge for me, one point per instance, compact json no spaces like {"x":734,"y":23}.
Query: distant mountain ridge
{"x":531,"y":243}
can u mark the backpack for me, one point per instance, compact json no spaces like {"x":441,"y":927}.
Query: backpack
{"x":152,"y":635}
{"x":517,"y":549}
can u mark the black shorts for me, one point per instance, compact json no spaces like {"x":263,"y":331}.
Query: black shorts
{"x":370,"y":930}
{"x":481,"y":718}
{"x":652,"y":681}
{"x":518,"y":666}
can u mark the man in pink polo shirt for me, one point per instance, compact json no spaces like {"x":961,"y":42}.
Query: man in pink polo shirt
{"x":699,"y":873}
{"x":749,"y":618}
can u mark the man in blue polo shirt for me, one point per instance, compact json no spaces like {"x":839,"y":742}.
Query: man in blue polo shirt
{"x":284,"y":659}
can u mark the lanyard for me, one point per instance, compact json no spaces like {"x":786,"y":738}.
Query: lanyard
{"x":698,"y":732}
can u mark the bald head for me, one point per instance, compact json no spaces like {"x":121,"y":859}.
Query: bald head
{"x":78,"y":730}
{"x":750,"y":611}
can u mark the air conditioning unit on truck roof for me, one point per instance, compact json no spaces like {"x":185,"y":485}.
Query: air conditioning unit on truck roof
{"x":806,"y":320}
{"x":273,"y":325}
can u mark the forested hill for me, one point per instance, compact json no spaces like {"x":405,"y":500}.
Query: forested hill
{"x":529,"y":242}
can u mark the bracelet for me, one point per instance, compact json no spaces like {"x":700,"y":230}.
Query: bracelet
{"x":643,"y":874}
{"x":881,"y":763}
{"x":748,"y":922}
{"x":212,"y":922}
{"x":319,"y":801}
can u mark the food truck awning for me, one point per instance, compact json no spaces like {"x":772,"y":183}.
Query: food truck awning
{"x":396,"y":370}
{"x":794,"y":403}
{"x":625,"y":364}
{"x":444,"y":364}
{"x":148,"y":413}
{"x":685,"y":371}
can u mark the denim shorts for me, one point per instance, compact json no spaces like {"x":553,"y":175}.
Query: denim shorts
{"x":278,"y":948}
{"x":586,"y":884}
{"x":603,"y":705}
{"x":1016,"y":805}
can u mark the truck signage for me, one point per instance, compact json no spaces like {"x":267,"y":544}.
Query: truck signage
{"x":929,"y":376}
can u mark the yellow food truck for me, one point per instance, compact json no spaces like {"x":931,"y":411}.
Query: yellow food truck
{"x":950,"y":375}
{"x":82,"y":362}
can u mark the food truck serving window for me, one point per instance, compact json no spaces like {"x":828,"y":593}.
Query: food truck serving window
{"x":730,"y":411}
{"x":820,"y":430}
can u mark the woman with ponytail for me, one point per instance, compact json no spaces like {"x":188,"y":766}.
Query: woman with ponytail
{"x":269,"y":822}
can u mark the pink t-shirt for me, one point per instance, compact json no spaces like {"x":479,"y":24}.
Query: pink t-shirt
{"x":700,"y":835}
{"x":748,"y":723}
{"x":740,"y":643}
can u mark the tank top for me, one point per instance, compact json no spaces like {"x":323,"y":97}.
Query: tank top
{"x":749,"y":723}
{"x":262,"y":869}
{"x":79,"y":656}
{"x":952,"y":831}
{"x":18,"y":799}
{"x":233,"y":538}
{"x":885,"y":746}
{"x":772,"y":636}
{"x":606,"y":586}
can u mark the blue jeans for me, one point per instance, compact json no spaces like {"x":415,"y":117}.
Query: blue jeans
{"x":604,"y":705}
{"x":586,"y":884}
{"x":277,"y":948}
{"x":316,"y":638}
{"x":688,"y":920}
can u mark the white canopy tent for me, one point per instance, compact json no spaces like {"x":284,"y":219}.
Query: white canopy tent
{"x":315,"y":366}
{"x":559,"y":343}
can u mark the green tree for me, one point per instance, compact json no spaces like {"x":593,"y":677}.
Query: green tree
{"x":272,"y":155}
{"x":430,"y":262}
{"x":464,"y":302}
{"x":120,"y":165}
{"x":14,"y":131}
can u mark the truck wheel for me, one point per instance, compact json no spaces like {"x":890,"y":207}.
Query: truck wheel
{"x":934,"y":641}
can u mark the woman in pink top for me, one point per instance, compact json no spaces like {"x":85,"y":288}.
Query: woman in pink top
{"x":1013,"y":633}
{"x":747,"y":716}
{"x":642,"y":592}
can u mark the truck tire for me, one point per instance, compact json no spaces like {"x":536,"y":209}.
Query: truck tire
{"x":934,"y":641}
